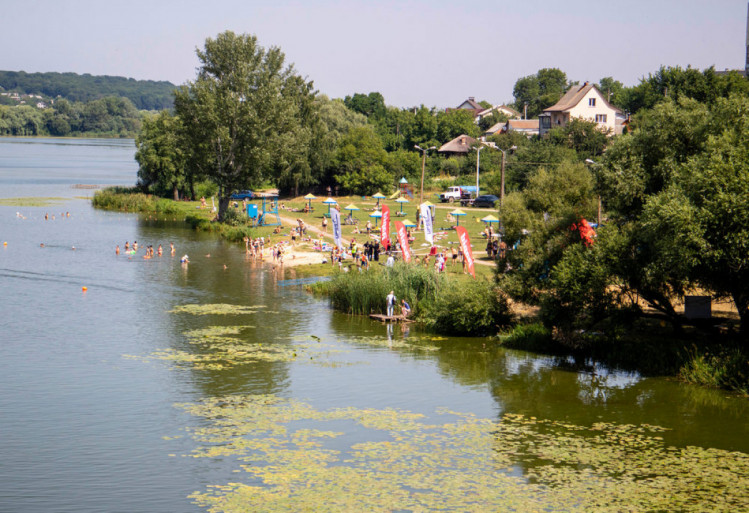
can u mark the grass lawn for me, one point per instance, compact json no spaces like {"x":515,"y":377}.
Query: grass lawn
{"x":445,"y":236}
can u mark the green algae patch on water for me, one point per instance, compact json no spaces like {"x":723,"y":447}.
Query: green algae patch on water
{"x":399,"y":461}
{"x":411,"y":344}
{"x":222,"y":347}
{"x":31,"y":201}
{"x":217,"y":309}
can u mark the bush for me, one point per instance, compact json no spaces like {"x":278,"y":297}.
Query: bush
{"x":474,"y":309}
{"x":205,"y":190}
{"x":364,"y":293}
{"x":728,"y":369}
{"x":122,"y":198}
{"x":530,"y":337}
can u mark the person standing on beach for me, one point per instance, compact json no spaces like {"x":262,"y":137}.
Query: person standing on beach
{"x":390,"y":300}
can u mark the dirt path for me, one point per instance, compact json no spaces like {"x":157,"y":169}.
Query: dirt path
{"x":313,"y":229}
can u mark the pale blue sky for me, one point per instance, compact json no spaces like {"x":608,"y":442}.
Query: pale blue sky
{"x":432,"y":52}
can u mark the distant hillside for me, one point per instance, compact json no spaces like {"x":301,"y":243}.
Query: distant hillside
{"x":145,"y":94}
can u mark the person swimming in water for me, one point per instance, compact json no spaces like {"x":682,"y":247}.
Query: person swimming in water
{"x":116,"y":251}
{"x":159,"y":251}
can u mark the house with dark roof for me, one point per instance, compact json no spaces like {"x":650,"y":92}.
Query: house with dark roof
{"x":461,"y":145}
{"x":582,"y":102}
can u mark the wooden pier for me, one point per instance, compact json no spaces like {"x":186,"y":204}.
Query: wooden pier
{"x":385,"y":318}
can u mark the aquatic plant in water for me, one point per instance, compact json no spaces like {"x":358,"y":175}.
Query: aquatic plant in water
{"x":468,"y":463}
{"x":216,"y":309}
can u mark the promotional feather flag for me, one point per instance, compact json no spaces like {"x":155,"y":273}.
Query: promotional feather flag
{"x":335,"y":217}
{"x":400,"y":229}
{"x":426,"y":218}
{"x":465,"y":246}
{"x":385,"y":230}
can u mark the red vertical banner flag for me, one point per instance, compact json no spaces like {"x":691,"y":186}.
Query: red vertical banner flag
{"x":465,"y":246}
{"x":400,"y":229}
{"x":385,"y":231}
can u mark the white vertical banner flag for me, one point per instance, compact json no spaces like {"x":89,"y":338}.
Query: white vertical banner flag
{"x":426,"y":218}
{"x":335,"y":217}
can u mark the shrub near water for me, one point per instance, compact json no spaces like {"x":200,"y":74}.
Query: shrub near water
{"x":729,"y":369}
{"x":475,"y":309}
{"x":364,"y":293}
{"x":443,"y":304}
{"x":128,"y":199}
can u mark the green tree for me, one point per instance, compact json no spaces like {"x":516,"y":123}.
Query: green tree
{"x":336,"y":120}
{"x":453,"y":123}
{"x":160,"y":156}
{"x":241,"y":114}
{"x":612,"y":90}
{"x":673,"y":83}
{"x":539,"y":219}
{"x":362,"y":162}
{"x":371,"y":105}
{"x":585,"y":137}
{"x":540,"y":91}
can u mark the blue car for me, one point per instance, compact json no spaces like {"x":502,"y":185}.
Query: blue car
{"x":242,"y":195}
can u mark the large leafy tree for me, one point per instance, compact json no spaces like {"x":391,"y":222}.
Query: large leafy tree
{"x":540,"y":91}
{"x":241,"y":114}
{"x":160,"y":156}
{"x":363,"y":163}
{"x":371,"y":105}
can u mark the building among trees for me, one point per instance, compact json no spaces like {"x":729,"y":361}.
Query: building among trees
{"x":582,"y":102}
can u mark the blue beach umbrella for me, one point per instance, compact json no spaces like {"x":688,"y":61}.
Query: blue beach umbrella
{"x":401,"y":201}
{"x":329,"y":202}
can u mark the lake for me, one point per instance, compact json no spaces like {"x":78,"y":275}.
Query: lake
{"x":164,"y":387}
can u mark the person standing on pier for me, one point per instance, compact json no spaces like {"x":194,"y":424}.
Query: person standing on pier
{"x":390,"y":299}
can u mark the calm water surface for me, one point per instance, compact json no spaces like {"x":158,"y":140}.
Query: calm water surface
{"x":85,"y":428}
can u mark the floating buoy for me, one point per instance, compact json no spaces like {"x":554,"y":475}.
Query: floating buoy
{"x":5,"y":243}
{"x":84,"y":289}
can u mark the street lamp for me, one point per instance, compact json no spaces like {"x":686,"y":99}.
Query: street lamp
{"x":502,"y":174}
{"x":423,"y":164}
{"x":592,"y":162}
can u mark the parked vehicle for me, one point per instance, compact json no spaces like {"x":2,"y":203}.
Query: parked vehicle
{"x":458,"y":193}
{"x":242,"y":195}
{"x":485,"y":201}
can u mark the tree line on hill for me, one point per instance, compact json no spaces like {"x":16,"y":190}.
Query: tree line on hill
{"x":144,"y":94}
{"x":674,"y":189}
{"x":109,"y":117}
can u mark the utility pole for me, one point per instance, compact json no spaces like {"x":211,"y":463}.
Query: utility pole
{"x":502,"y":175}
{"x":423,"y":165}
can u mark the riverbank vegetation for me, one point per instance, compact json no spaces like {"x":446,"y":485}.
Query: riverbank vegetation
{"x":442,"y":303}
{"x":671,"y":190}
{"x":104,"y":117}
